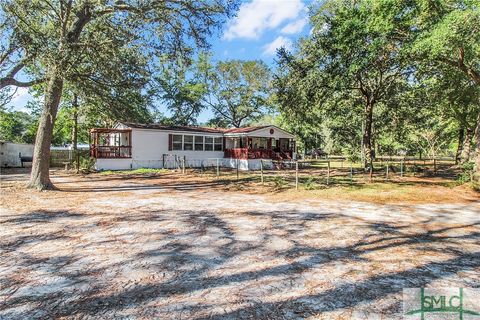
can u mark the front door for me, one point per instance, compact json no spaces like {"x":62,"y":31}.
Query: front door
{"x":284,"y":144}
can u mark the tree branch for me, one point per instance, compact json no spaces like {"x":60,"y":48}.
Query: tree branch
{"x":4,"y":82}
{"x":473,"y":74}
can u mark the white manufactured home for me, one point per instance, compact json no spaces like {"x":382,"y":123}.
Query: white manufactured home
{"x":135,"y":145}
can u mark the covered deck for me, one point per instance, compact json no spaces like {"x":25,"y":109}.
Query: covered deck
{"x":254,"y":147}
{"x":110,"y":143}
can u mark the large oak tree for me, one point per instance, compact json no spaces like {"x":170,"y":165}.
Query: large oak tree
{"x":353,"y":54}
{"x":54,"y":41}
{"x":447,"y":33}
{"x":238,"y":91}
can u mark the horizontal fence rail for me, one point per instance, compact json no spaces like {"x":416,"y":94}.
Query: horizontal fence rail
{"x":299,"y":173}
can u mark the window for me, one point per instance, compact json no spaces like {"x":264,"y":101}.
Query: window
{"x":259,"y":143}
{"x":208,"y":143}
{"x":218,"y":144}
{"x":198,"y":143}
{"x":187,"y":142}
{"x":177,"y":142}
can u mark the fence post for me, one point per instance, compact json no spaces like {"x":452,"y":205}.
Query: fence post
{"x":163,"y":161}
{"x":237,"y":167}
{"x":77,"y":154}
{"x":414,"y":168}
{"x":183,"y":165}
{"x":328,"y":173}
{"x":296,"y":175}
{"x":371,"y":173}
{"x":434,"y":166}
{"x":388,"y":163}
{"x":261,"y":170}
{"x":401,"y":168}
{"x":351,"y":173}
{"x":218,"y":167}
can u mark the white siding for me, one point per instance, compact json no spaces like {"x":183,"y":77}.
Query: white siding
{"x":151,"y":145}
{"x":113,"y":164}
{"x":250,"y":164}
{"x":9,"y":154}
{"x":277,"y":133}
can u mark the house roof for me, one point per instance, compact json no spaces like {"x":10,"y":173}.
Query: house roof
{"x":155,"y":126}
{"x":245,"y":129}
{"x":231,"y":131}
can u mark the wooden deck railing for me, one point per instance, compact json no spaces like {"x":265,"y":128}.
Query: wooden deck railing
{"x":236,"y":153}
{"x":110,"y":152}
{"x":245,"y":153}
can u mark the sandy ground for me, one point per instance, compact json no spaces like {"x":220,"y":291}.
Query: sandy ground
{"x":112,"y":248}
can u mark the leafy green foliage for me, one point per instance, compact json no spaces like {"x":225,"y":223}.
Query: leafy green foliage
{"x":238,"y":91}
{"x":468,"y":170}
{"x":415,"y":63}
{"x":279,"y":183}
{"x":87,"y":164}
{"x":182,"y":88}
{"x":15,"y":126}
{"x":310,"y":183}
{"x":349,"y":64}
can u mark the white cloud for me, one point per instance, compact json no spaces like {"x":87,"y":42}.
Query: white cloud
{"x":295,"y":26}
{"x":281,"y":41}
{"x":259,"y":15}
{"x":20,"y":94}
{"x":20,"y":99}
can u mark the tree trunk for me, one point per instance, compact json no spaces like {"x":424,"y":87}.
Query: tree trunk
{"x":40,"y":177}
{"x":75,"y":122}
{"x":461,"y":136}
{"x":467,"y":146}
{"x":76,"y":155}
{"x":477,"y":149}
{"x":367,"y":136}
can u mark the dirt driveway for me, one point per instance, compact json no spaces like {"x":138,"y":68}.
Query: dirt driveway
{"x":112,"y":248}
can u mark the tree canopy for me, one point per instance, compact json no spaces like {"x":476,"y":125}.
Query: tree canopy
{"x":401,"y":74}
{"x":111,"y":47}
{"x":238,"y":91}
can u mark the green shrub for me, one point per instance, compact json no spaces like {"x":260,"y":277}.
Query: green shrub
{"x":310,"y":183}
{"x":353,"y":157}
{"x":476,"y":186}
{"x":279,"y":182}
{"x":467,"y":172}
{"x":87,"y":164}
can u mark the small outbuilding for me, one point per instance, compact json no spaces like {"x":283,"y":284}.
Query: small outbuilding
{"x":134,"y":145}
{"x":15,"y":154}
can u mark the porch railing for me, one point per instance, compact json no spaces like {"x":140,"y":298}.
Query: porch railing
{"x":236,"y":153}
{"x":245,"y":153}
{"x":110,"y":152}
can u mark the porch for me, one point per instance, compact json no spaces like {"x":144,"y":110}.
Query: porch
{"x":110,"y":143}
{"x":259,"y":148}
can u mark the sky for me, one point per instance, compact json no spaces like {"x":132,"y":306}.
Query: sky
{"x":260,"y":27}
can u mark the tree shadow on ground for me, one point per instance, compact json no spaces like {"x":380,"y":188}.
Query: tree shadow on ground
{"x":180,"y":186}
{"x":176,"y":249}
